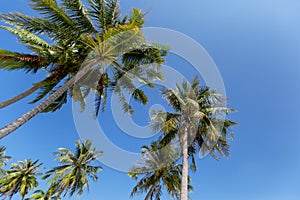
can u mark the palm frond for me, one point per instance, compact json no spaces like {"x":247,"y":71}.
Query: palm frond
{"x":79,"y":13}
{"x":44,"y":90}
{"x":106,"y":13}
{"x":18,"y":61}
{"x":51,"y":10}
{"x":57,"y":104}
{"x":136,"y":17}
{"x":32,"y":41}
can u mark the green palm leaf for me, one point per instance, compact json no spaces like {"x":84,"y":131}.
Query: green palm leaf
{"x":32,"y":41}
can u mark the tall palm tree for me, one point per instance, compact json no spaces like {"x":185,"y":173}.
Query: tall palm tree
{"x":72,"y":175}
{"x":20,"y":178}
{"x":75,"y":30}
{"x":159,"y":170}
{"x":198,"y":121}
{"x":3,"y":158}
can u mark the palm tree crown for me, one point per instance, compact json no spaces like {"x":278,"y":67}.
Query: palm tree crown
{"x":159,"y":170}
{"x":43,"y":195}
{"x":198,"y":122}
{"x":72,"y":175}
{"x":20,"y":178}
{"x":71,"y":30}
{"x":3,"y":158}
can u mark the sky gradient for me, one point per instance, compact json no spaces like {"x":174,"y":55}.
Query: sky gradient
{"x":256,"y":46}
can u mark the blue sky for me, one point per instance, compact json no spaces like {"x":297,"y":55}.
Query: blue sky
{"x":256,"y":47}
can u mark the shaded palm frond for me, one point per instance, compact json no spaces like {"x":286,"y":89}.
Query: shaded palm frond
{"x":17,"y":61}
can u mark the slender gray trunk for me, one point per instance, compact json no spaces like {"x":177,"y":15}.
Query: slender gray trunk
{"x":18,"y":97}
{"x":150,"y":192}
{"x":6,"y":130}
{"x":26,"y":93}
{"x":184,"y":176}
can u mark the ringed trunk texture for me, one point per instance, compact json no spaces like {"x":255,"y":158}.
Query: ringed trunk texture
{"x":184,"y":177}
{"x":18,"y":97}
{"x":6,"y":130}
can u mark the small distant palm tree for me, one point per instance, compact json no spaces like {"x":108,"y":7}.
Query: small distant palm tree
{"x":159,"y":170}
{"x":72,"y":175}
{"x":3,"y":158}
{"x":198,"y":122}
{"x":20,"y":178}
{"x":43,"y":195}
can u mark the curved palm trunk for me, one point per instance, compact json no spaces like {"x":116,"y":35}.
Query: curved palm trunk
{"x":18,"y":97}
{"x":184,"y":176}
{"x":149,"y":194}
{"x":6,"y":130}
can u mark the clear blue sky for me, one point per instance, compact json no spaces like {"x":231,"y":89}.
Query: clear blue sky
{"x":256,"y":46}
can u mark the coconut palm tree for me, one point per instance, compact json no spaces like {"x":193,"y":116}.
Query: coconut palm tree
{"x":20,"y":178}
{"x":159,"y":170}
{"x":43,"y":195}
{"x":74,"y":31}
{"x":198,"y":121}
{"x":71,"y":176}
{"x":3,"y":159}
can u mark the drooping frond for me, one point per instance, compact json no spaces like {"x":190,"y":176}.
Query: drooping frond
{"x":58,"y":103}
{"x":145,"y":54}
{"x":16,"y":61}
{"x":44,"y":90}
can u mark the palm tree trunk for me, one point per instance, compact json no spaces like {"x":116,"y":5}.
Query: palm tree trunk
{"x":150,"y":192}
{"x":27,"y":92}
{"x":184,"y":176}
{"x":6,"y":130}
{"x":19,"y":97}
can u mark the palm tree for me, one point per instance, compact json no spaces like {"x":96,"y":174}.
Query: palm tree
{"x":75,"y":30}
{"x":159,"y":170}
{"x":42,"y":195}
{"x":198,"y":121}
{"x":3,"y":159}
{"x":72,"y":175}
{"x":20,"y":178}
